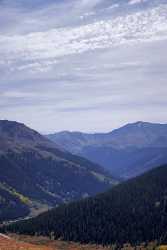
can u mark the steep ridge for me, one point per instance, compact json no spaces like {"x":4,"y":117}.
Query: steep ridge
{"x":126,"y":152}
{"x":134,"y":211}
{"x":35,"y":175}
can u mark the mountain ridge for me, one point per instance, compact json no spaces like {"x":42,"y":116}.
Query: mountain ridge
{"x":36,"y":174}
{"x":119,"y":149}
{"x":138,"y":124}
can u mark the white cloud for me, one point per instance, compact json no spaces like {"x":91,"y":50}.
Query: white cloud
{"x":113,"y":6}
{"x":149,"y":25}
{"x":132,"y":2}
{"x":17,"y":94}
{"x":90,"y":74}
{"x":87,"y":4}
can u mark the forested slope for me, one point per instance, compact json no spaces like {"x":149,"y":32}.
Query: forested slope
{"x":134,"y":211}
{"x":35,"y":175}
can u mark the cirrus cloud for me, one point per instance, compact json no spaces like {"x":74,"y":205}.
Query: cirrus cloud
{"x":91,"y":73}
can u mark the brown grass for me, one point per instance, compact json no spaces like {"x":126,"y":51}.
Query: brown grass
{"x":11,"y":244}
{"x":17,"y":242}
{"x":163,"y":247}
{"x":41,"y":243}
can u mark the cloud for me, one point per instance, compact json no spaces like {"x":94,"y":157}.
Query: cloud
{"x":93,"y":74}
{"x":131,"y":2}
{"x":17,"y":94}
{"x":87,"y":4}
{"x":40,"y":50}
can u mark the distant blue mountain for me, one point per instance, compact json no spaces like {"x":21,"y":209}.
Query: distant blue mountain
{"x":126,"y":152}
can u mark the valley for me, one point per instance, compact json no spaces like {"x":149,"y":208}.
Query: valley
{"x":36,"y":175}
{"x":83,"y":125}
{"x":74,"y":202}
{"x":133,"y":211}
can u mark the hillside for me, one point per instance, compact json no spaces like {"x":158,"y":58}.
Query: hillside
{"x":134,"y":211}
{"x":126,"y":152}
{"x":35,"y":175}
{"x":7,"y":243}
{"x":11,"y":206}
{"x":16,"y":242}
{"x":20,"y":242}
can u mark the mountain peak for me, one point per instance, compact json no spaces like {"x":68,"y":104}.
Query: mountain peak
{"x":7,"y":125}
{"x":4,"y":123}
{"x":126,"y":151}
{"x":12,"y":133}
{"x":140,"y":124}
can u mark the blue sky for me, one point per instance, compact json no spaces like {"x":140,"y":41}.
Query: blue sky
{"x":83,"y":65}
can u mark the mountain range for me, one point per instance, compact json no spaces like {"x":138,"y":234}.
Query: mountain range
{"x":126,"y":152}
{"x":35,"y":175}
{"x":131,"y":212}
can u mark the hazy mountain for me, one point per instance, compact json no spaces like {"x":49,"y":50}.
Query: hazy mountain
{"x":126,"y":152}
{"x":35,"y":175}
{"x":134,"y":211}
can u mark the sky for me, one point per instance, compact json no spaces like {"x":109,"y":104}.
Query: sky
{"x":83,"y":65}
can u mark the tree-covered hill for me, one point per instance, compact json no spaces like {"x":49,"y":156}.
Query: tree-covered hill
{"x":134,"y":211}
{"x":34,"y":174}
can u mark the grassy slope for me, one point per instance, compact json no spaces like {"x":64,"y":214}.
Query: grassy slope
{"x":17,"y":242}
{"x":40,"y":243}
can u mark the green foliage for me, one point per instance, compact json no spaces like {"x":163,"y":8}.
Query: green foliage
{"x":13,"y":192}
{"x":11,"y":207}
